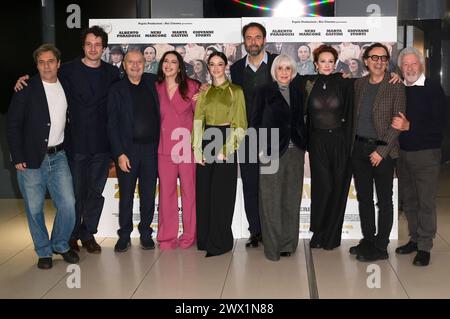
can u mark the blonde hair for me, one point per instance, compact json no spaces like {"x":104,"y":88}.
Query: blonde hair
{"x":283,"y":58}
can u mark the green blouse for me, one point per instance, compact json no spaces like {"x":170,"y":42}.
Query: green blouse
{"x":218,"y":105}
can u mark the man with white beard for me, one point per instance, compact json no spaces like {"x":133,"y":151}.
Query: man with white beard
{"x":420,"y":153}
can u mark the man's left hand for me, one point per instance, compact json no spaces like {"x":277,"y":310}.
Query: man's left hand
{"x":400,"y":122}
{"x":395,"y":78}
{"x":375,"y":158}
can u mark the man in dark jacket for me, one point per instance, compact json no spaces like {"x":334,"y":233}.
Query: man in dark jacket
{"x":133,"y":128}
{"x":251,"y":72}
{"x":375,"y":151}
{"x":88,"y":81}
{"x":35,"y":133}
{"x":419,"y":160}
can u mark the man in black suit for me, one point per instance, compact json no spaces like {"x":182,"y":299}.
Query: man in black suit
{"x":35,"y":133}
{"x":182,"y":51}
{"x":116,"y":59}
{"x":251,"y":72}
{"x":88,"y":81}
{"x":341,"y":67}
{"x":283,"y":48}
{"x":133,"y":128}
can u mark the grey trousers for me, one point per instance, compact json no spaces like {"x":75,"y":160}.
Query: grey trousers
{"x":418,"y":174}
{"x":280,"y":196}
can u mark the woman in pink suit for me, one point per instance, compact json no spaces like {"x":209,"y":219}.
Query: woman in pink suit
{"x":175,"y":159}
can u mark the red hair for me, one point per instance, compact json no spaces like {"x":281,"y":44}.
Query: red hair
{"x":325,"y":48}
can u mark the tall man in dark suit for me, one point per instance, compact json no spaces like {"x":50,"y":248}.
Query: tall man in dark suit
{"x":133,"y":128}
{"x":251,"y":72}
{"x":35,"y":133}
{"x":88,"y":81}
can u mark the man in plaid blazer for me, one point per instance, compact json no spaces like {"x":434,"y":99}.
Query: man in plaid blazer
{"x":375,"y":151}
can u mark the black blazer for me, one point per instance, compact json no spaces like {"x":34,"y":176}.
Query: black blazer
{"x":28,"y":124}
{"x":87,"y":113}
{"x":120,"y":114}
{"x":270,"y":110}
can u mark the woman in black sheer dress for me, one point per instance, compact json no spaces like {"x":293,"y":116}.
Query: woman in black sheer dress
{"x":328,"y":103}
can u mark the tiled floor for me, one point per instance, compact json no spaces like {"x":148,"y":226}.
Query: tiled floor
{"x":186,"y":274}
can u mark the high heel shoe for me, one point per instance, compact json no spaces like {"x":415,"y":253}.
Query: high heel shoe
{"x":209,"y":255}
{"x":285,"y":254}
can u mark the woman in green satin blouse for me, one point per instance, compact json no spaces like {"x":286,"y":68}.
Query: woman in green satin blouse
{"x":220,"y":123}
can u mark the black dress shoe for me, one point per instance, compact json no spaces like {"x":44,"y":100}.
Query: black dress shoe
{"x":92,"y":246}
{"x":69,"y":256}
{"x":410,"y":247}
{"x":73,"y":243}
{"x":147,"y":244}
{"x":45,"y":263}
{"x":122,"y":245}
{"x":422,"y":258}
{"x":363,"y":245}
{"x":285,"y":254}
{"x":210,"y":255}
{"x":253,"y":241}
{"x":373,"y":254}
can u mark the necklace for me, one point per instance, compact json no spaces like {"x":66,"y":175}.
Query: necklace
{"x":324,"y":86}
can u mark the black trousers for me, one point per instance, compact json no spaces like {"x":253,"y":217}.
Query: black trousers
{"x":330,"y":183}
{"x":365,"y":175}
{"x":215,"y":199}
{"x":89,"y":173}
{"x":144,"y":166}
{"x":250,"y":187}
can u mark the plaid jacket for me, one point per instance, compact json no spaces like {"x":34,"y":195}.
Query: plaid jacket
{"x":389,"y":100}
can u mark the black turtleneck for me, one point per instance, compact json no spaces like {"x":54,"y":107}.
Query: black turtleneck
{"x":145,"y":127}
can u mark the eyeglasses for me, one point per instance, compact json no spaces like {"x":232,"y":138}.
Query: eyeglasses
{"x":375,"y":58}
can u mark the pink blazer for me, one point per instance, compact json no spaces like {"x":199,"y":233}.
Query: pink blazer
{"x":175,"y":113}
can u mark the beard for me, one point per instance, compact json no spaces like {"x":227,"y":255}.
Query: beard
{"x":411,"y":77}
{"x":254,"y":50}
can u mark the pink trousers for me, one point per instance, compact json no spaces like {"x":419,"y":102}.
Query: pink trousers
{"x":168,"y":214}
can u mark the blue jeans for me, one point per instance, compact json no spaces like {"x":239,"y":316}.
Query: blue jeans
{"x":53,"y":174}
